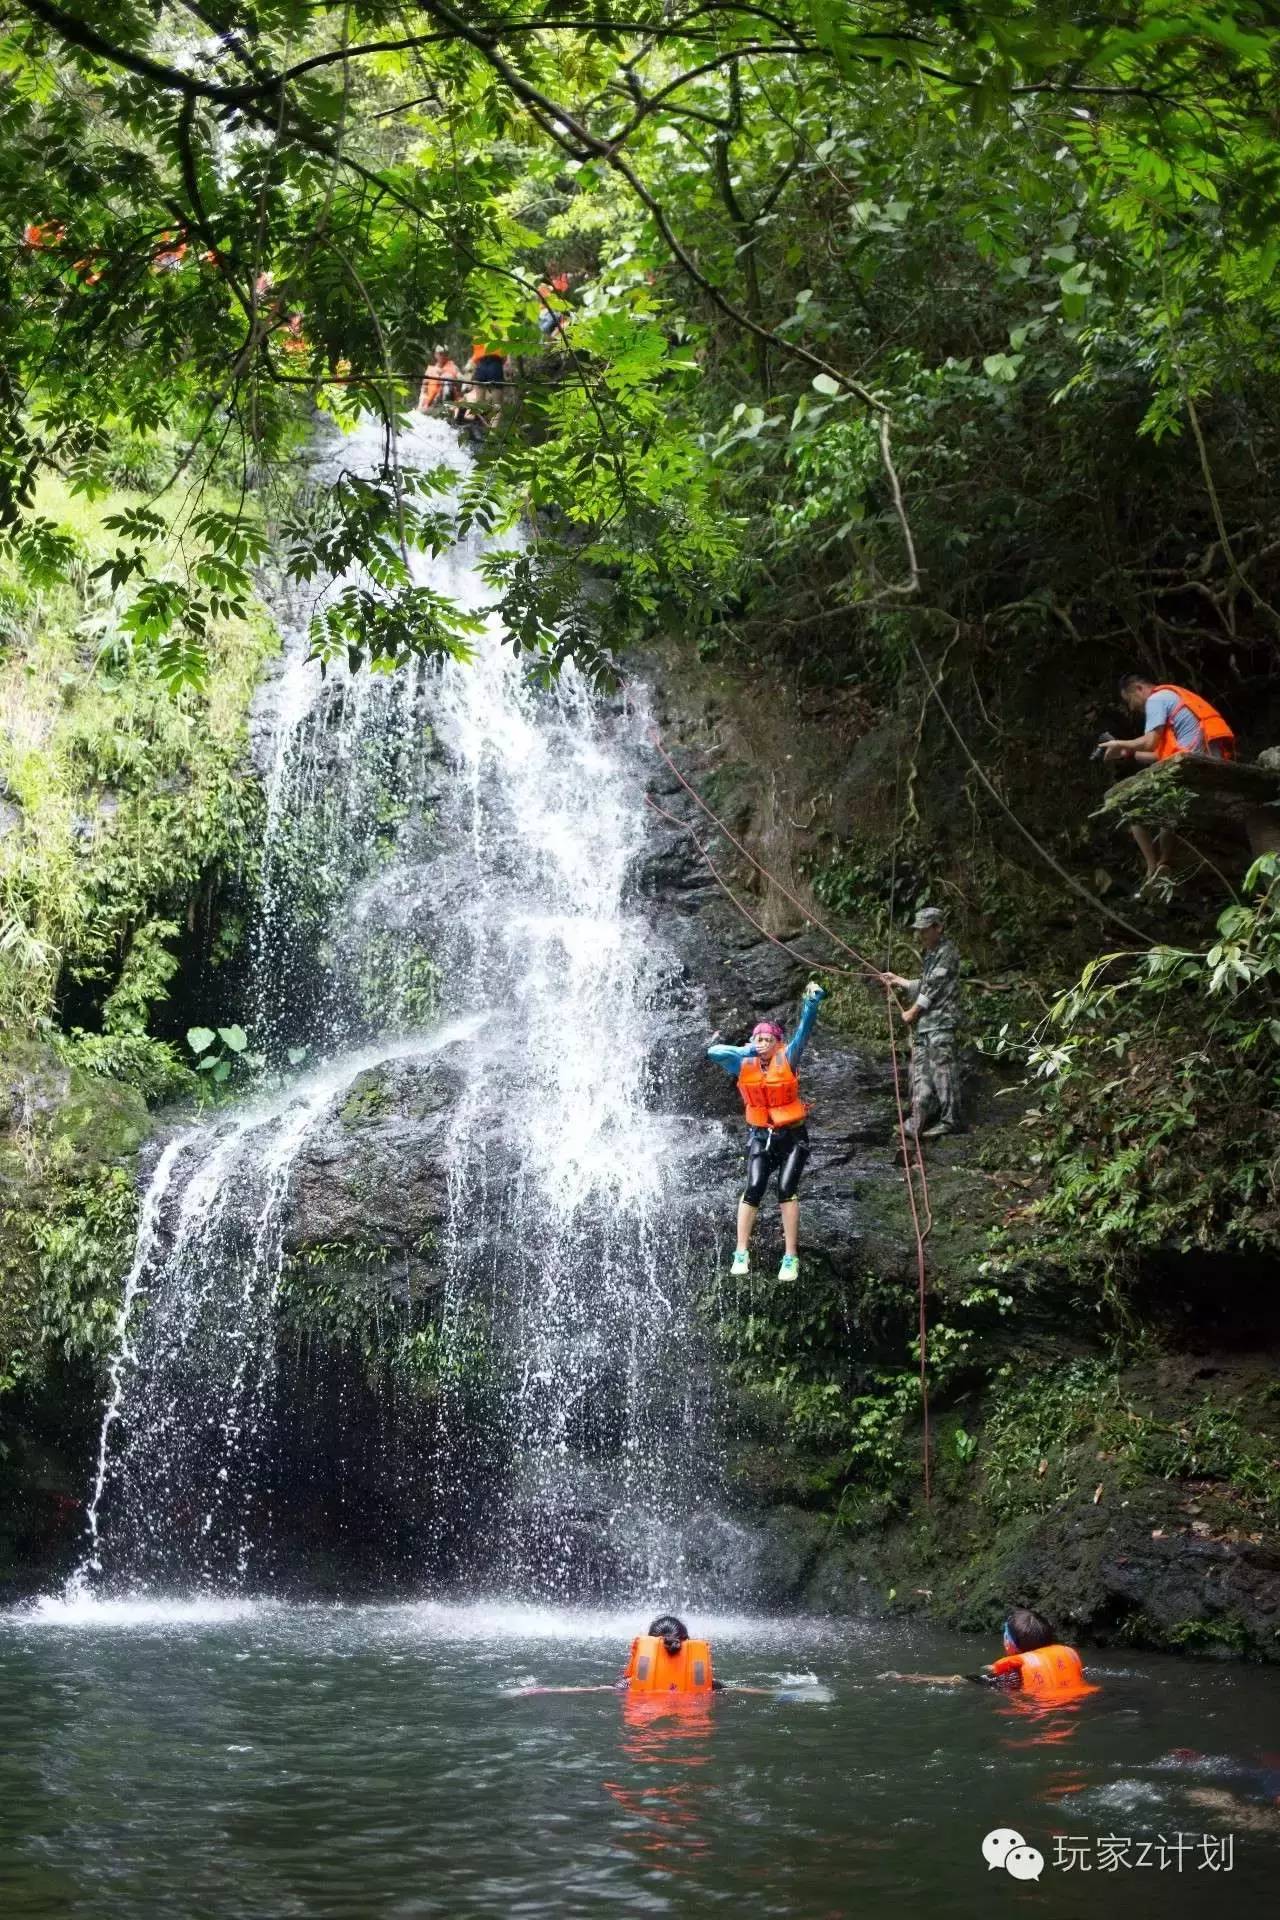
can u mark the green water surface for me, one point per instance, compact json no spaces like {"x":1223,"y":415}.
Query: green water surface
{"x":256,"y":1761}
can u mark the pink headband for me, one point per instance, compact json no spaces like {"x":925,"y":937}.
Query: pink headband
{"x":770,"y":1027}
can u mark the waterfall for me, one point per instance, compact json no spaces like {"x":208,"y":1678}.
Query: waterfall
{"x":448,"y":871}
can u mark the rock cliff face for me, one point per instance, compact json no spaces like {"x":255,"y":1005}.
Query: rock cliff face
{"x":1158,"y":1557}
{"x":371,"y":1184}
{"x":372,"y":1173}
{"x":733,"y":975}
{"x":1118,"y":1549}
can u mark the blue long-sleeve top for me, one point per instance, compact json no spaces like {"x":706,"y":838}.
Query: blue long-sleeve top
{"x":731,"y":1058}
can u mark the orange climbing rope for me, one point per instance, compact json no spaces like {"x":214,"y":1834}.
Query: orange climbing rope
{"x":864,"y":967}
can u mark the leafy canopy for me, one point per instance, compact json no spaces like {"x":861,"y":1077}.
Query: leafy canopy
{"x":223,"y":215}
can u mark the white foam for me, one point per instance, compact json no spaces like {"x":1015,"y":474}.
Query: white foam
{"x":1123,"y":1796}
{"x":481,"y":1619}
{"x":459,"y":1622}
{"x":83,"y":1611}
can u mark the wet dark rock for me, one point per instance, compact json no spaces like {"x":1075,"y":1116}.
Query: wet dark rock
{"x":372,"y":1175}
{"x":1105,"y":1574}
{"x":1100,"y":1577}
{"x":1202,"y":1592}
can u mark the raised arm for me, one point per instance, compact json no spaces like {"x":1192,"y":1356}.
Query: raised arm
{"x":814,"y":995}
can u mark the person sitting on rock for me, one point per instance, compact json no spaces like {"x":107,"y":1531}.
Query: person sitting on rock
{"x":932,"y":1016}
{"x":777,"y":1138}
{"x":440,"y":382}
{"x":1176,"y":721}
{"x":482,"y":396}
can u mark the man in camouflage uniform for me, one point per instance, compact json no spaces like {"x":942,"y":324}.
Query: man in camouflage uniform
{"x":932,"y":1017}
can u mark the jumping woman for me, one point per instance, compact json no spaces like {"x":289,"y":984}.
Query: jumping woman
{"x":778,"y":1140}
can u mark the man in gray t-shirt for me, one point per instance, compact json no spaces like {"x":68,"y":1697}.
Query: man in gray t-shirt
{"x":1170,"y":722}
{"x":1175,"y":721}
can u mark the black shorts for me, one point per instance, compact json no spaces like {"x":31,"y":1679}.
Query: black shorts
{"x":780,"y":1150}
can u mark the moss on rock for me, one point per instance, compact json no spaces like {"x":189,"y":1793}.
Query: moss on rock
{"x":68,"y":1206}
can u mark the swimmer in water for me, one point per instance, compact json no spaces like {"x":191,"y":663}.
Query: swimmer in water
{"x":1033,"y":1664}
{"x":662,"y":1661}
{"x":1248,"y":1796}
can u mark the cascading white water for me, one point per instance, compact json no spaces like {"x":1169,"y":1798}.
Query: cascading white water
{"x":176,"y":1483}
{"x":442,"y":843}
{"x":587,"y":1278}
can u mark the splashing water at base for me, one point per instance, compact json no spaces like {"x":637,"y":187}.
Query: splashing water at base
{"x":450,"y":844}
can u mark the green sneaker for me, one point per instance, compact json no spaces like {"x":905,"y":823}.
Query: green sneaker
{"x":741,"y":1264}
{"x":790,"y":1268}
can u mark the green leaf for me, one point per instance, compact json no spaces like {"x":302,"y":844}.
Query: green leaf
{"x":199,"y":1039}
{"x":234,"y":1038}
{"x":823,"y":383}
{"x":1002,"y":367}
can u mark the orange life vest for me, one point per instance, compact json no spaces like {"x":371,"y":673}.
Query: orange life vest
{"x":651,"y":1669}
{"x":1213,"y":727}
{"x":771,"y":1095}
{"x":1048,"y":1673}
{"x":437,"y":380}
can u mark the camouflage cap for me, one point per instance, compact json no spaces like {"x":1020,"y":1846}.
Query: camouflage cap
{"x":927,"y":917}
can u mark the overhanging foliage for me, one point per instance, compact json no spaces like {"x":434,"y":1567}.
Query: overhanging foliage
{"x":221,"y":215}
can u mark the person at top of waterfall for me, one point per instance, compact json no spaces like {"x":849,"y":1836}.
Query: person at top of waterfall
{"x":487,"y":367}
{"x":1175,"y":721}
{"x":440,"y":382}
{"x":480,"y":404}
{"x":553,"y":308}
{"x":777,"y":1137}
